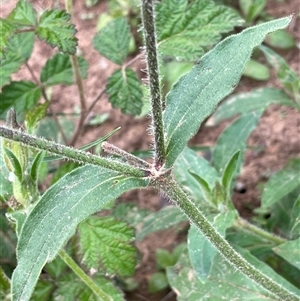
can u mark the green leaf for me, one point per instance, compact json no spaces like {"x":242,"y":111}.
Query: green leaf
{"x":21,"y":95}
{"x":59,"y":70}
{"x":23,"y":14}
{"x":207,"y":192}
{"x":106,"y":244}
{"x":256,"y":70}
{"x":4,"y":284}
{"x":36,"y":164}
{"x":257,"y":99}
{"x":295,"y":219}
{"x":5,"y":184}
{"x":281,"y":183}
{"x":201,"y":251}
{"x":55,"y":217}
{"x":125,"y":92}
{"x":17,"y":168}
{"x":252,"y":8}
{"x":157,"y":282}
{"x":7,"y":30}
{"x":165,"y":218}
{"x":290,"y":252}
{"x":234,"y":137}
{"x":196,"y":94}
{"x":42,"y":290}
{"x":189,"y":163}
{"x":187,"y":29}
{"x":223,"y":283}
{"x":112,"y":41}
{"x":19,"y":50}
{"x":280,"y":39}
{"x":55,"y":28}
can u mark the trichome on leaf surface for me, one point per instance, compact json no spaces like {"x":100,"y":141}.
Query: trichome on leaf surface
{"x":60,"y":232}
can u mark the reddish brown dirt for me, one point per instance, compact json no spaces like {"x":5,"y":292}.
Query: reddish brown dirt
{"x":277,"y":134}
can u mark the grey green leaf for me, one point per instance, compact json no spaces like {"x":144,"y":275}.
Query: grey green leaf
{"x":187,"y":29}
{"x":112,"y":41}
{"x":55,"y":217}
{"x":281,"y":183}
{"x":125,"y":92}
{"x":196,"y":94}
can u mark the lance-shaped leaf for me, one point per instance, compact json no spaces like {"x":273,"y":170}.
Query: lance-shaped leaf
{"x":257,"y":99}
{"x":106,"y":244}
{"x":55,"y":28}
{"x":59,"y":70}
{"x":295,"y":219}
{"x":125,"y":92}
{"x":112,"y":41}
{"x":195,"y":96}
{"x":5,"y":184}
{"x":187,"y":29}
{"x":281,"y":183}
{"x":201,"y":251}
{"x":20,"y":95}
{"x":55,"y":217}
{"x":234,"y":137}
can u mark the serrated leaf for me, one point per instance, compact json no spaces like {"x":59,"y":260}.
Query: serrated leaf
{"x":224,"y":282}
{"x":165,"y":218}
{"x":55,"y":217}
{"x":106,"y":244}
{"x":23,"y":14}
{"x":256,"y":70}
{"x":234,"y":137}
{"x":112,"y":41}
{"x":21,"y":95}
{"x":281,"y":183}
{"x":125,"y":92}
{"x":55,"y":28}
{"x":59,"y":70}
{"x":196,"y":94}
{"x":186,"y":29}
{"x":19,"y":50}
{"x":257,"y":99}
{"x":290,"y":252}
{"x":189,"y":163}
{"x":201,"y":251}
{"x":7,"y":30}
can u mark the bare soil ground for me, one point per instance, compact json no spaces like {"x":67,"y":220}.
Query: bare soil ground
{"x":277,"y":135}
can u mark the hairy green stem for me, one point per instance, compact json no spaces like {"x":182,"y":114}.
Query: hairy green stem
{"x":152,"y":66}
{"x":245,"y":225}
{"x":83,"y":276}
{"x":68,"y":152}
{"x":171,"y":188}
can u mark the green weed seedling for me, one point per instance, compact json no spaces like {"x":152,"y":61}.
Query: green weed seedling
{"x":60,"y":240}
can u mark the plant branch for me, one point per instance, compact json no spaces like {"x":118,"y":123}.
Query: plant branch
{"x":83,"y":276}
{"x":152,"y":66}
{"x":245,"y":225}
{"x":69,"y":152}
{"x":172,"y":189}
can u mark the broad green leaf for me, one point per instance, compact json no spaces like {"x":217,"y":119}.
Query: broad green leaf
{"x":19,"y":50}
{"x":223,"y":283}
{"x":234,"y":137}
{"x":23,"y":14}
{"x":157,"y":282}
{"x":256,"y":70}
{"x":187,"y":29}
{"x":257,"y":99}
{"x":252,"y":8}
{"x":163,"y":219}
{"x":164,"y":258}
{"x":201,"y":251}
{"x":55,"y":217}
{"x":189,"y":163}
{"x":281,"y":183}
{"x":125,"y":92}
{"x":196,"y":94}
{"x":106,"y":244}
{"x":112,"y":41}
{"x":55,"y":28}
{"x":59,"y":70}
{"x":280,"y":39}
{"x":5,"y":184}
{"x":290,"y":251}
{"x":21,"y":95}
{"x":295,"y":219}
{"x":288,"y":77}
